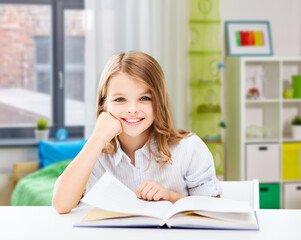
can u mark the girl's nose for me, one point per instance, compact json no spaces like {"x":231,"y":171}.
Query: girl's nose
{"x":133,"y":109}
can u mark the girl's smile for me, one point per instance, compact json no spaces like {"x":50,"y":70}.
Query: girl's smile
{"x":132,"y":121}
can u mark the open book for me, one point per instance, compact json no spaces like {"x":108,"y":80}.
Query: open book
{"x":117,"y":206}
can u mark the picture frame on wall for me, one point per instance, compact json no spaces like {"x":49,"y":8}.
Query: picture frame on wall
{"x":249,"y":38}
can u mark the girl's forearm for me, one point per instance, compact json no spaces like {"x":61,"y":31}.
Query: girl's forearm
{"x":72,"y":182}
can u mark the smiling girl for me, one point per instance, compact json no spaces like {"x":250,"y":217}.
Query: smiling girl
{"x":135,"y":140}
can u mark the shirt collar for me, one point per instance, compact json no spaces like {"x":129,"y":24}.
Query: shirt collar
{"x":153,"y":147}
{"x":120,"y":153}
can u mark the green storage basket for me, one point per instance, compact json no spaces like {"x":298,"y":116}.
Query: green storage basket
{"x":269,"y":195}
{"x":217,"y":150}
{"x":206,"y":125}
{"x":204,"y":37}
{"x":204,"y":10}
{"x":296,"y":84}
{"x":205,"y":97}
{"x":204,"y":67}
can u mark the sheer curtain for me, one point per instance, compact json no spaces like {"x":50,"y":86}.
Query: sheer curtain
{"x":157,"y":27}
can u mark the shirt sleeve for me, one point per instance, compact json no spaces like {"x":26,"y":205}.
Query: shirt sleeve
{"x":200,"y":176}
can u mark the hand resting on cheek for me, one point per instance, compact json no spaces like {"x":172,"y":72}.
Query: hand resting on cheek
{"x":107,"y":126}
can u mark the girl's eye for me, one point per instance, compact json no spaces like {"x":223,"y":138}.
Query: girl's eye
{"x":119,"y":99}
{"x":145,"y":98}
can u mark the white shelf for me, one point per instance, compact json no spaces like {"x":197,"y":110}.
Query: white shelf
{"x":291,"y":100}
{"x":262,"y":101}
{"x":291,"y":181}
{"x":265,"y":121}
{"x":262,"y":140}
{"x":288,"y":140}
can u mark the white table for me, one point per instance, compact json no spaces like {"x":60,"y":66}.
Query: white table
{"x":44,"y":223}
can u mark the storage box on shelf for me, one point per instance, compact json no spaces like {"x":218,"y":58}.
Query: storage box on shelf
{"x":292,"y":195}
{"x":269,"y":196}
{"x":291,"y":161}
{"x":259,"y":159}
{"x":259,"y":111}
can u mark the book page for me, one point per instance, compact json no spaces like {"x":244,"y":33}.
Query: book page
{"x":228,"y":221}
{"x":210,"y":204}
{"x":232,"y":217}
{"x":100,"y":214}
{"x":110,"y":194}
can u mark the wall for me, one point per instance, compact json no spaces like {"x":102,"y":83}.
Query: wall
{"x":6,"y":189}
{"x":285,"y":22}
{"x":8,"y":156}
{"x":284,"y":17}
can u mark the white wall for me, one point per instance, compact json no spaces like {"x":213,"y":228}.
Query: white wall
{"x":8,"y":156}
{"x":11,"y":155}
{"x":284,"y":17}
{"x":285,"y":20}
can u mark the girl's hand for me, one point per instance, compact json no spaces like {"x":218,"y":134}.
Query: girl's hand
{"x":107,"y":127}
{"x":152,"y":191}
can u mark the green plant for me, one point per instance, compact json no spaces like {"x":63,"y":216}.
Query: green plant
{"x":41,"y":124}
{"x":296,"y":120}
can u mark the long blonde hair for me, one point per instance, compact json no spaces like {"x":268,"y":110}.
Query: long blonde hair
{"x":145,"y":68}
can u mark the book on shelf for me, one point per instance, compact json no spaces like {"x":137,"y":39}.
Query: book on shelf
{"x":115,"y":205}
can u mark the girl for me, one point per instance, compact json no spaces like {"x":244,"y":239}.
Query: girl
{"x":135,"y":140}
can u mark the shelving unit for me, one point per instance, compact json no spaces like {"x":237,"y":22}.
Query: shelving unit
{"x":259,"y":142}
{"x":205,"y":85}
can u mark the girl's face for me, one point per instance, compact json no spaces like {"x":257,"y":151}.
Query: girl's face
{"x":131,"y":102}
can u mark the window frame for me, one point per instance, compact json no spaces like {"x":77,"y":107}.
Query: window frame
{"x":57,"y":72}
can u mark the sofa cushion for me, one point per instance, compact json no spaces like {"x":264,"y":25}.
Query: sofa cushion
{"x":52,"y":152}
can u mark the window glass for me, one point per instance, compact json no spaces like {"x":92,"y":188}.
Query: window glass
{"x":25,"y":64}
{"x":74,"y":45}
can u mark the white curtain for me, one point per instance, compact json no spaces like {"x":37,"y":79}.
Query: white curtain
{"x":157,"y":27}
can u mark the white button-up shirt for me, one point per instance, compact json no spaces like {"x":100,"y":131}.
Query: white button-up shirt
{"x":191,"y":172}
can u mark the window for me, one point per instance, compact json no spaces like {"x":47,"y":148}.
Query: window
{"x":41,"y":66}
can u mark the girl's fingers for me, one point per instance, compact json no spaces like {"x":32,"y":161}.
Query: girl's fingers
{"x":151,"y":193}
{"x":139,"y":189}
{"x":150,"y":190}
{"x":120,"y":131}
{"x":113,"y":116}
{"x":157,"y":196}
{"x":143,"y":188}
{"x":142,"y":185}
